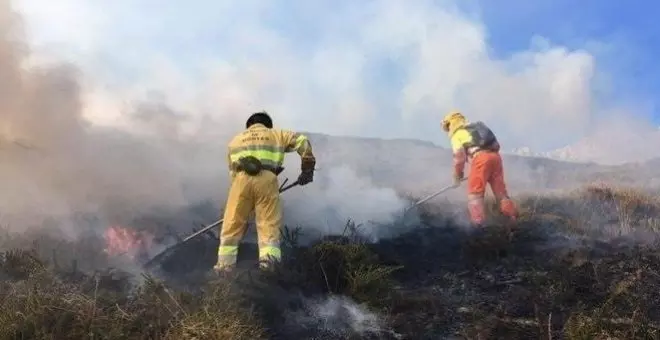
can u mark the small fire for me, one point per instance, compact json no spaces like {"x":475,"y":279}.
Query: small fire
{"x":125,"y":241}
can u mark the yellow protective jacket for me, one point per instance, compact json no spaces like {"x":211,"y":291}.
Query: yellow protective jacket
{"x":269,"y":146}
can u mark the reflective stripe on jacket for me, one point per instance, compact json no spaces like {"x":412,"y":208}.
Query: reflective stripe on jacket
{"x":267,"y":145}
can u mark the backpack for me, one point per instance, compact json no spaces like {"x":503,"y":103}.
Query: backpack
{"x":483,"y":137}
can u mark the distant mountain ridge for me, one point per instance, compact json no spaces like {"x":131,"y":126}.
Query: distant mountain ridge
{"x":605,"y":148}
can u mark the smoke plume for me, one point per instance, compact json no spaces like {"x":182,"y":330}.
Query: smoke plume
{"x":55,"y":164}
{"x":146,"y":133}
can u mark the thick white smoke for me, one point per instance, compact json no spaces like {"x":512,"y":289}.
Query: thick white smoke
{"x":55,"y":165}
{"x":337,"y":316}
{"x":338,"y":194}
{"x":166,"y":123}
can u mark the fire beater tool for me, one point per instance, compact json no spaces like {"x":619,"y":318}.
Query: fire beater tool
{"x":160,"y":256}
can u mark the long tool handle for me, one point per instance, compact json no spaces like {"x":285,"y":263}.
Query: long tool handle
{"x":218,"y":222}
{"x":283,"y":188}
{"x":447,"y":188}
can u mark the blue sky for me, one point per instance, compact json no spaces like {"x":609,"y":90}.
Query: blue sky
{"x":632,"y":25}
{"x":374,"y":68}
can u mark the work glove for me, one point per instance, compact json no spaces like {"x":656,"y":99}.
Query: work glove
{"x":306,"y":177}
{"x":458,"y":178}
{"x":307,"y":170}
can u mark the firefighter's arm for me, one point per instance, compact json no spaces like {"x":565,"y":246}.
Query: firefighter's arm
{"x":299,"y":143}
{"x":458,"y":140}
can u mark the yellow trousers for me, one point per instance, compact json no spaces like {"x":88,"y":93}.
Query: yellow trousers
{"x":247,"y":194}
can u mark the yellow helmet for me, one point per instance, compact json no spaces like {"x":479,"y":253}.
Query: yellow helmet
{"x":451,"y":117}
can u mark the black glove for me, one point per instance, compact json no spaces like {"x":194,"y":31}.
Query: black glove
{"x":306,"y":177}
{"x":307,"y":165}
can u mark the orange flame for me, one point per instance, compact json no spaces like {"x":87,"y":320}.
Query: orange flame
{"x":125,"y":241}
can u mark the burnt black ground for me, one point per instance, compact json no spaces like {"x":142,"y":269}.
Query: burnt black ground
{"x":457,"y":283}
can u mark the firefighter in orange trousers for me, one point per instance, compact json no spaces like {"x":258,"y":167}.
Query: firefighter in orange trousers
{"x":255,"y":158}
{"x":476,"y":142}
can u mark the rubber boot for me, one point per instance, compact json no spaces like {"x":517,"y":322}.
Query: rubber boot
{"x":477,"y":212}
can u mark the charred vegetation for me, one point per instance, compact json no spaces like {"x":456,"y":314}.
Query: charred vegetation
{"x":578,"y":266}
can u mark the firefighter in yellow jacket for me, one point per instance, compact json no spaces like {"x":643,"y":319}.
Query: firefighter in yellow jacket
{"x":477,"y":143}
{"x":255,"y":158}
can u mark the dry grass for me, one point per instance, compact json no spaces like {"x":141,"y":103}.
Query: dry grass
{"x":582,"y":266}
{"x":44,"y":301}
{"x":40,"y":304}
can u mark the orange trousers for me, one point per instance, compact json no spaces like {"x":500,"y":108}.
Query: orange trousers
{"x":486,"y":168}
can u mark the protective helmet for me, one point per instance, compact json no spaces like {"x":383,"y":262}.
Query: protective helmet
{"x":259,"y":118}
{"x":450,"y":117}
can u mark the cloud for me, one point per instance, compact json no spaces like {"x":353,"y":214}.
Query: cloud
{"x":377,"y":68}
